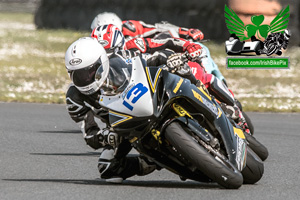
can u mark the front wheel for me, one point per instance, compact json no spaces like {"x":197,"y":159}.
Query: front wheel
{"x":188,"y":148}
{"x":254,"y":169}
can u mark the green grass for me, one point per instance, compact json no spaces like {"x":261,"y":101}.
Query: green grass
{"x":32,"y":69}
{"x":32,"y":61}
{"x":16,"y":17}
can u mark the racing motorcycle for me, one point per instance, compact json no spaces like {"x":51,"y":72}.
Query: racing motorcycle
{"x":181,"y":128}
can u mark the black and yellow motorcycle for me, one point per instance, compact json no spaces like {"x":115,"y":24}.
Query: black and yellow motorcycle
{"x":180,"y":127}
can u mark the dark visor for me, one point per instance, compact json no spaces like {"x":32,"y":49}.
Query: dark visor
{"x":85,"y":76}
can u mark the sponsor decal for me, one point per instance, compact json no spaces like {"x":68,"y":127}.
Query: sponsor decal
{"x":178,"y":86}
{"x":75,"y":61}
{"x":207,"y":103}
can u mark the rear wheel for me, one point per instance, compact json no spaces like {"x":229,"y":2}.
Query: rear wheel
{"x":217,"y":169}
{"x":257,"y":147}
{"x":254,"y":169}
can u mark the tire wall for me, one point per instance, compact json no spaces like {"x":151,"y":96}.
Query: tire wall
{"x":206,"y":15}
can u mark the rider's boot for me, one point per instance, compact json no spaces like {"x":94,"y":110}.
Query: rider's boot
{"x":218,"y":89}
{"x":115,"y":169}
{"x":222,"y":93}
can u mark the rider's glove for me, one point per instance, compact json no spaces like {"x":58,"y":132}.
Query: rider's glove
{"x":108,"y":138}
{"x":194,"y":50}
{"x":175,"y":62}
{"x":194,"y":34}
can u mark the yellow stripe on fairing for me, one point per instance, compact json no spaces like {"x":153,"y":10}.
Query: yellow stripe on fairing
{"x":149,"y":79}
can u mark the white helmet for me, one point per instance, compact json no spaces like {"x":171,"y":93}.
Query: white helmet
{"x":82,"y":59}
{"x":107,"y":18}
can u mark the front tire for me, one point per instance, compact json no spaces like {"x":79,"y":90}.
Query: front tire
{"x":254,"y":169}
{"x":186,"y":146}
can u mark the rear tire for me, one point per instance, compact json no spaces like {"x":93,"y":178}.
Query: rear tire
{"x":224,"y":174}
{"x":257,"y":147}
{"x":254,"y":169}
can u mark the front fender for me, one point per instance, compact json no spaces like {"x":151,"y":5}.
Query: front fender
{"x":234,"y":141}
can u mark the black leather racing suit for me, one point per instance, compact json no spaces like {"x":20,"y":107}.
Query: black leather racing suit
{"x":84,"y":109}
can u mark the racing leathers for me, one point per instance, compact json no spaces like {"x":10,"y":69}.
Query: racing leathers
{"x":151,"y":45}
{"x":133,"y":28}
{"x":114,"y":165}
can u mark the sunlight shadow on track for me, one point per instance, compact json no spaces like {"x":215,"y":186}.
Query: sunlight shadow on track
{"x":62,"y":131}
{"x":68,"y":154}
{"x":154,"y":184}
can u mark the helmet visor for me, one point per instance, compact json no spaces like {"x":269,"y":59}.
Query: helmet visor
{"x":85,"y":76}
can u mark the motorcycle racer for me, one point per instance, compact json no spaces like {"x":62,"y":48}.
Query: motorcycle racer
{"x":133,"y":28}
{"x":113,"y":40}
{"x":82,"y":59}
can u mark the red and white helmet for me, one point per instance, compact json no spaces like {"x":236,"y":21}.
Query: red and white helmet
{"x":110,"y":37}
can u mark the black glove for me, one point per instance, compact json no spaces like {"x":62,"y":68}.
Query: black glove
{"x":108,"y":138}
{"x":174,"y":62}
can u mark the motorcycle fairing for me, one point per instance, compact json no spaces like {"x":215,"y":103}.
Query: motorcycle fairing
{"x":176,"y":88}
{"x":136,"y":99}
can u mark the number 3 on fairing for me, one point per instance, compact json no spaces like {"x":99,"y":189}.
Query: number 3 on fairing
{"x":136,"y":92}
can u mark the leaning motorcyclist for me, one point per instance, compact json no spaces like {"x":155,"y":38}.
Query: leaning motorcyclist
{"x":134,"y":28}
{"x":82,"y":59}
{"x":113,"y":40}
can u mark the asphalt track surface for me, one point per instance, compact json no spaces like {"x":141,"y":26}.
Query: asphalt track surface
{"x":43,"y":156}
